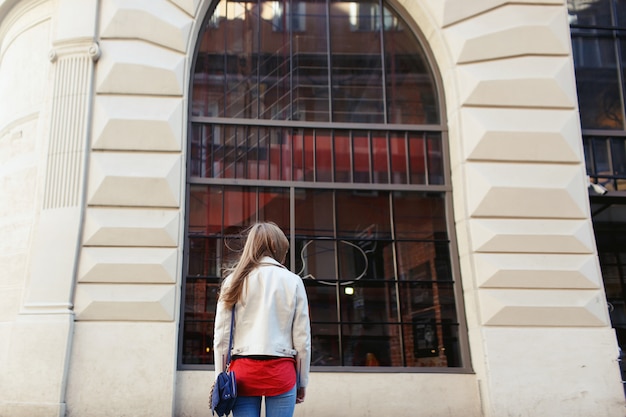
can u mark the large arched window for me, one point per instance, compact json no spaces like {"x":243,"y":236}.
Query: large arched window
{"x":324,"y":117}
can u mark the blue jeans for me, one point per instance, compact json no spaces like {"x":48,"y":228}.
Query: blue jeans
{"x":282,"y":405}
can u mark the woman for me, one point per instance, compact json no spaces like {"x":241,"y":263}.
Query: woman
{"x":271,"y":351}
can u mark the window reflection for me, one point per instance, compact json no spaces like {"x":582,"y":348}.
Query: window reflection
{"x":281,"y":94}
{"x":271,"y":60}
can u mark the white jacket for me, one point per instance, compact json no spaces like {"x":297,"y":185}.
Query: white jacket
{"x":272,"y":318}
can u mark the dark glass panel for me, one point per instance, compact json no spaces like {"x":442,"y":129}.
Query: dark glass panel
{"x":202,"y":150}
{"x":310,"y":65}
{"x":418,"y":215}
{"x":411,"y":92}
{"x":371,"y":344}
{"x":279,"y":154}
{"x":621,"y":13}
{"x":240,"y":208}
{"x":323,"y":156}
{"x":205,"y":210}
{"x":417,"y":159}
{"x":314,"y":212}
{"x":298,"y":156}
{"x":325,"y":344}
{"x":356,"y":62}
{"x":589,"y":12}
{"x":597,"y":83}
{"x":322,"y":298}
{"x":417,"y":297}
{"x":204,"y":257}
{"x":435,"y":159}
{"x":423,"y":261}
{"x":398,"y":146}
{"x":602,"y":157}
{"x":362,"y":157}
{"x":618,"y":156}
{"x":429,"y":343}
{"x":373,"y":221}
{"x":198,"y":343}
{"x":380,"y":158}
{"x":368,"y":301}
{"x":316,"y":260}
{"x":309,"y":155}
{"x":274,"y":206}
{"x":274,"y":62}
{"x":343,"y":156}
{"x":201,"y":299}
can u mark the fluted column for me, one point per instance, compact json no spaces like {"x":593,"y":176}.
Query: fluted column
{"x":41,"y":339}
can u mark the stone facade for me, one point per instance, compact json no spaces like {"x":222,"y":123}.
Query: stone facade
{"x":93,"y":104}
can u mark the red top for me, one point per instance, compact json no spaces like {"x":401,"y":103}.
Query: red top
{"x":264,"y":377}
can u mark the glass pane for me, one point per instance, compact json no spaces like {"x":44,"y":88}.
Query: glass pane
{"x":311,"y":90}
{"x":618,"y":155}
{"x":240,"y":208}
{"x":371,"y":344}
{"x":274,"y":207}
{"x":435,"y":159}
{"x":423,"y":261}
{"x":597,"y":82}
{"x":356,"y":62}
{"x":621,"y":13}
{"x":380,"y":156}
{"x":398,"y":145}
{"x":418,"y":215}
{"x":324,"y":344}
{"x":205,"y":210}
{"x":362,"y":158}
{"x":317,"y":260}
{"x":373,"y":220}
{"x":343,"y":156}
{"x":322,"y":301}
{"x":270,"y":60}
{"x":589,"y":12}
{"x":201,"y":299}
{"x":429,"y":343}
{"x":368,"y":301}
{"x":314,"y":213}
{"x":198,"y":343}
{"x":323,"y":156}
{"x":204,"y":257}
{"x":411,"y":93}
{"x":417,"y":158}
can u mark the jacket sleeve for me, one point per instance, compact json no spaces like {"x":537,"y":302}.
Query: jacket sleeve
{"x":301,"y":334}
{"x":221,"y":336}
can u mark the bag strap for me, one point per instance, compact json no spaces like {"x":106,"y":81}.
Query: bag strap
{"x":230,"y":342}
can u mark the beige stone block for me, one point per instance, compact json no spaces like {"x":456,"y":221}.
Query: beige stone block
{"x":189,"y":6}
{"x":132,"y":123}
{"x":328,"y":389}
{"x":123,"y":369}
{"x":526,"y":190}
{"x":562,"y":308}
{"x":131,"y":227}
{"x":155,"y":21}
{"x":557,"y":372}
{"x":521,"y":135}
{"x":510,"y":31}
{"x":525,"y":270}
{"x":125,"y":302}
{"x":448,"y":12}
{"x":128,"y":265}
{"x":134,"y":179}
{"x":532,"y":236}
{"x":136,"y":67}
{"x":544,"y":82}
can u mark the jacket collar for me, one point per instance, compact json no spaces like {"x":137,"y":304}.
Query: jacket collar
{"x":270,"y":260}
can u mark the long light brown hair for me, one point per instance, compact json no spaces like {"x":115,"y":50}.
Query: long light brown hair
{"x":262,"y":239}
